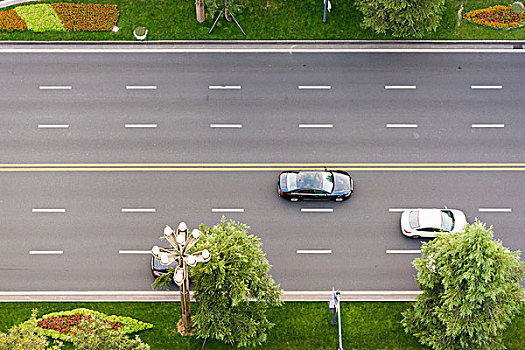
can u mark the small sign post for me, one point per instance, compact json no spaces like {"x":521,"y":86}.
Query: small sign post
{"x":335,"y":305}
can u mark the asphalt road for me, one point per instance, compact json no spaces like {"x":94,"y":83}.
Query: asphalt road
{"x":270,"y":107}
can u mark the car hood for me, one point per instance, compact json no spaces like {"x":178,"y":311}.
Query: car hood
{"x":342,"y":184}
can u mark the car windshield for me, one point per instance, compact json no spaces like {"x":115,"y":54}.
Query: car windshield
{"x":447,"y":220}
{"x":414,"y":219}
{"x":314,"y":180}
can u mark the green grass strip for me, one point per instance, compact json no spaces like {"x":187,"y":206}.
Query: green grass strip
{"x":298,"y":325}
{"x":40,"y":18}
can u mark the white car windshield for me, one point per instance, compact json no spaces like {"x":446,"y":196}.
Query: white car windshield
{"x":447,"y":220}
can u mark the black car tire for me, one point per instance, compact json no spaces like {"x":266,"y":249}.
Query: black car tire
{"x":296,"y":199}
{"x":416,"y":236}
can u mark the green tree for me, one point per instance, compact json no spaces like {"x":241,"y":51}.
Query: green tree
{"x":471,"y":290}
{"x":234,"y":289}
{"x":402,"y":18}
{"x":96,"y":334}
{"x":26,"y":336}
{"x":228,"y":6}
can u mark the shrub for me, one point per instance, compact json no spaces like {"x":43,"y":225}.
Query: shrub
{"x":401,"y":18}
{"x":40,"y":18}
{"x":499,"y":16}
{"x":10,"y":20}
{"x":62,"y":325}
{"x":87,"y":17}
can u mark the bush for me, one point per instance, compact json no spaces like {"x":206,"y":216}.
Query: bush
{"x":10,"y":20}
{"x":401,"y":18}
{"x":40,"y":18}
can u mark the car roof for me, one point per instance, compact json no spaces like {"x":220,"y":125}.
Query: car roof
{"x":430,"y":218}
{"x":310,"y":179}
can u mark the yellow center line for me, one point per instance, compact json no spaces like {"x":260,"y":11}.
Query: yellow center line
{"x":201,"y":169}
{"x":318,"y":165}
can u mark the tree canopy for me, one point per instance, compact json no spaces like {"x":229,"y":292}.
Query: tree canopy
{"x":401,"y":18}
{"x":471,"y":290}
{"x":234,"y":289}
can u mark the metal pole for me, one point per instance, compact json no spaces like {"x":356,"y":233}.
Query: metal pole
{"x":238,"y":25}
{"x":338,"y":294}
{"x":324,"y":13}
{"x":214,"y":23}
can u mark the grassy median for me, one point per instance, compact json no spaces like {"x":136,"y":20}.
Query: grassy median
{"x":265,"y":20}
{"x":298,"y":325}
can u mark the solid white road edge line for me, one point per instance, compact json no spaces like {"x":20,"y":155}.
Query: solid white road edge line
{"x":232,"y":210}
{"x":314,"y":251}
{"x":134,"y":251}
{"x":224,"y":87}
{"x":403,"y":251}
{"x":48,"y":210}
{"x":225,"y":125}
{"x":140,"y":125}
{"x":401,"y":125}
{"x":53,"y":126}
{"x":315,"y":210}
{"x":314,"y":87}
{"x":55,"y":87}
{"x":288,"y":50}
{"x":486,"y":87}
{"x":488,"y":125}
{"x":400,"y":87}
{"x":316,"y":125}
{"x":141,"y":87}
{"x":495,"y":210}
{"x":46,"y":252}
{"x":138,"y":210}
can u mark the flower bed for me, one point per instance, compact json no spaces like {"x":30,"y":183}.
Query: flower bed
{"x":87,"y":17}
{"x":59,"y":17}
{"x":10,"y":20}
{"x":61,"y":325}
{"x":40,"y":18}
{"x":499,"y":16}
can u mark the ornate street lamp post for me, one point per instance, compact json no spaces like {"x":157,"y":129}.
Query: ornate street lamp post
{"x":181,"y":241}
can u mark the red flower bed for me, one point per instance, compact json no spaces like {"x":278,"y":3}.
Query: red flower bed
{"x":10,"y":20}
{"x":86,"y":17}
{"x":66,"y":324}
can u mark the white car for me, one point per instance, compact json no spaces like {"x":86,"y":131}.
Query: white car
{"x":416,"y":223}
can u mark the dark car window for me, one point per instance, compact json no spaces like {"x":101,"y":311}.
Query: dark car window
{"x":306,"y":191}
{"x":319,"y":192}
{"x":429,"y":229}
{"x":159,"y":267}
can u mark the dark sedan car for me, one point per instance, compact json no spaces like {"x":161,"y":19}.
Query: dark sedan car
{"x":157,"y":269}
{"x":315,"y":184}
